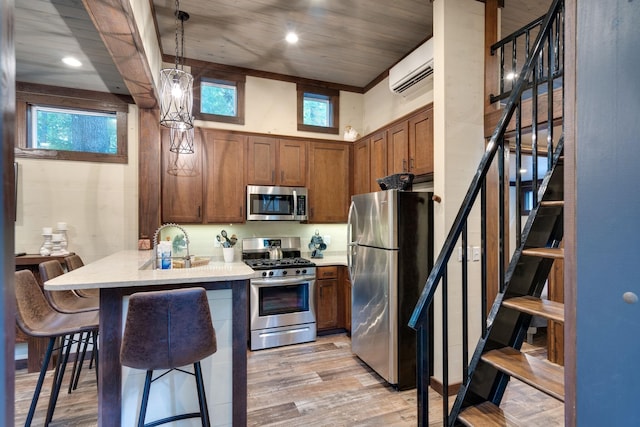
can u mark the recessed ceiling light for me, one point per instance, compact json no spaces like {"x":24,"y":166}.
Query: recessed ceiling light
{"x":291,"y":37}
{"x":71,"y":61}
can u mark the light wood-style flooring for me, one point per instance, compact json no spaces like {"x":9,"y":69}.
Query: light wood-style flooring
{"x":314,"y":384}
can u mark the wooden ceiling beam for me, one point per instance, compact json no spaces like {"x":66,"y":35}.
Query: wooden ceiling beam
{"x":115,"y":22}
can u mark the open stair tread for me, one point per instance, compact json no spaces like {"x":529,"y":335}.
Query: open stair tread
{"x":538,"y":307}
{"x":555,"y":253}
{"x":486,"y":414}
{"x":543,"y":375}
{"x":552,"y":203}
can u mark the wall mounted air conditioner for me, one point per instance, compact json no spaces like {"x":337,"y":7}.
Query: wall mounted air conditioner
{"x":412,"y":69}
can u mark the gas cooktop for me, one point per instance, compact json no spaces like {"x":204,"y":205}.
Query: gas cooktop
{"x":266,"y":264}
{"x":255,"y":253}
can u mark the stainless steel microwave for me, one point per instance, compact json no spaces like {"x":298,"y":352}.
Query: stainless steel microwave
{"x":267,"y":203}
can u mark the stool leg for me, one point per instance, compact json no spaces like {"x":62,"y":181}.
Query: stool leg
{"x":77,"y":364}
{"x":58,"y":376}
{"x":202,"y":398}
{"x":43,"y":372}
{"x":145,"y":398}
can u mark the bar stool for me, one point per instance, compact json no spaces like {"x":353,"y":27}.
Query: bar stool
{"x":66,"y":301}
{"x":37,"y":318}
{"x":74,"y":262}
{"x":166,"y":330}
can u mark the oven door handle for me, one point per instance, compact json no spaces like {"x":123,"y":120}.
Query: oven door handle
{"x":282,"y":281}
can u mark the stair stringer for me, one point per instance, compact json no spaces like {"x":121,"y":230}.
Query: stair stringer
{"x":525,"y":275}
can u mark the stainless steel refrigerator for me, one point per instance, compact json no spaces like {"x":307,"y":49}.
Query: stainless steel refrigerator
{"x":390,"y":254}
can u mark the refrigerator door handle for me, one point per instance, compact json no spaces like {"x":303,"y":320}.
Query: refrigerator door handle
{"x":351,"y":246}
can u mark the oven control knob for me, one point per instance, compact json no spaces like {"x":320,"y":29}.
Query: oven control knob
{"x":264,"y":273}
{"x":271,"y":273}
{"x":304,"y":271}
{"x":297,"y":271}
{"x":284,"y":273}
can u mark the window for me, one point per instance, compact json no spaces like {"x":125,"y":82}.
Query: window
{"x":66,"y":124}
{"x":219,"y":97}
{"x":318,"y":109}
{"x":53,"y":128}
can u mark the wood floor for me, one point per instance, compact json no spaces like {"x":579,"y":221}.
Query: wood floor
{"x":315,"y":384}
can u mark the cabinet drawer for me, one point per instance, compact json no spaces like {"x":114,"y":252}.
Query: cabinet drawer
{"x":327,"y":272}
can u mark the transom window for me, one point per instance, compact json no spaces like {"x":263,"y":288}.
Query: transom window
{"x":70,"y":124}
{"x":318,"y":109}
{"x":219,"y":96}
{"x":54,"y":128}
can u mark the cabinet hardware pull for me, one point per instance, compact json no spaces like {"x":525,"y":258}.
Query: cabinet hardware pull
{"x":281,"y":176}
{"x":404,"y":165}
{"x":412,"y":165}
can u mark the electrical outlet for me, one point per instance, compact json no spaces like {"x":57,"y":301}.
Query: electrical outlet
{"x":326,"y":239}
{"x":460,"y":253}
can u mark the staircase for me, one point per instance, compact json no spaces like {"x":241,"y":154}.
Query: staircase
{"x":497,"y":357}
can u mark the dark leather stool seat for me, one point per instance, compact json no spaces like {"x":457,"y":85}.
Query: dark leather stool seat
{"x":37,"y":318}
{"x":166,"y":330}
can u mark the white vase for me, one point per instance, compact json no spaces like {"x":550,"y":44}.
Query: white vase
{"x":228,"y":254}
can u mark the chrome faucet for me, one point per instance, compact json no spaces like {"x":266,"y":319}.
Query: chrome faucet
{"x":154,"y":256}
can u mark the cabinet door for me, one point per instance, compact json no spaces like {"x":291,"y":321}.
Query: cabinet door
{"x":292,"y":163}
{"x":346,"y":298}
{"x":261,"y":160}
{"x":224,"y":165}
{"x":378,"y":167}
{"x":329,"y":191}
{"x":421,"y":143}
{"x":182,"y":188}
{"x":327,"y":304}
{"x":398,"y":144}
{"x":361,"y":167}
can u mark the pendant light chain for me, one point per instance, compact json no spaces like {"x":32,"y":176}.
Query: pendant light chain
{"x":177,"y":14}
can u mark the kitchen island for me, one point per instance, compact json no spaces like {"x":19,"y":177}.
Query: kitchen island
{"x":120,"y":388}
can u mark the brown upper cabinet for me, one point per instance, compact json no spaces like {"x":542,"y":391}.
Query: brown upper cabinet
{"x":207,"y":186}
{"x":405,"y":146}
{"x":329,"y":181}
{"x":273,"y":161}
{"x":182,"y":185}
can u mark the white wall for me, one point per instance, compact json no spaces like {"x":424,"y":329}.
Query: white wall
{"x":98,"y":201}
{"x":271,"y":108}
{"x":381,"y":106}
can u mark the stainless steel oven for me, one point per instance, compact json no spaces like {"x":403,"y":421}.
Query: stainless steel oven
{"x":281,"y":299}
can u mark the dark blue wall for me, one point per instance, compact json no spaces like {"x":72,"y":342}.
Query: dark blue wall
{"x":607,"y":212}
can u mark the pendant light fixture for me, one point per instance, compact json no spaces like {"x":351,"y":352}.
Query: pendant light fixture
{"x":181,"y":141}
{"x":176,"y":87}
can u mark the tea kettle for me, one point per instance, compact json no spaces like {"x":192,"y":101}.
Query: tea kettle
{"x":275,"y":252}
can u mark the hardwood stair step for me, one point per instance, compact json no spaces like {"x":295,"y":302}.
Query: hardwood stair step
{"x":552,"y":203}
{"x":555,"y":253}
{"x":538,"y":307}
{"x":540,"y":374}
{"x":486,"y":414}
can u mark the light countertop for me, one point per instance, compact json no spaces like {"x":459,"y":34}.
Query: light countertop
{"x":329,"y":258}
{"x":133,"y":268}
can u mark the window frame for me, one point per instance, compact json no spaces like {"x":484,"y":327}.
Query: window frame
{"x":334,"y":101}
{"x":237,"y":80}
{"x":43,"y":96}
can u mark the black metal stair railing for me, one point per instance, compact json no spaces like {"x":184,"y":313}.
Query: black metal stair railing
{"x":540,"y":75}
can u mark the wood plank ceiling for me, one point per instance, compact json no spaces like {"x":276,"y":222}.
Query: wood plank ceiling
{"x":347,"y":43}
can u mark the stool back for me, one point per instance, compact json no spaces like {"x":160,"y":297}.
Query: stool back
{"x":33,"y":312}
{"x":167,"y":329}
{"x":73,"y":262}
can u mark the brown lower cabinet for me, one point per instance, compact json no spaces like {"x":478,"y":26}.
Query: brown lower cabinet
{"x":333,"y":299}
